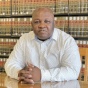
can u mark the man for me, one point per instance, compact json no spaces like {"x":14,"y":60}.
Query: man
{"x":44,"y":54}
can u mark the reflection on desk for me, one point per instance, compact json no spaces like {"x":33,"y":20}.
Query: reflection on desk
{"x":12,"y":83}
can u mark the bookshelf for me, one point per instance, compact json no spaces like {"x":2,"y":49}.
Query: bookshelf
{"x":71,"y":16}
{"x":84,"y":59}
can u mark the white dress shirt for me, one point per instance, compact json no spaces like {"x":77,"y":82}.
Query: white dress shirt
{"x":58,"y":57}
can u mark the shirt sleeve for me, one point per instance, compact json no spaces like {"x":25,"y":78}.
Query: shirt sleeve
{"x":15,"y":62}
{"x":69,"y":66}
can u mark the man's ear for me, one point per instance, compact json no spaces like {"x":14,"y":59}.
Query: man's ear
{"x":31,"y":23}
{"x":54,"y":23}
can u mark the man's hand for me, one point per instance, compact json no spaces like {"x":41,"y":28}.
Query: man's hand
{"x":35,"y":72}
{"x":29,"y":74}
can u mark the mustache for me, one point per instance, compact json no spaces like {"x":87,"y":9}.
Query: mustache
{"x":43,"y":29}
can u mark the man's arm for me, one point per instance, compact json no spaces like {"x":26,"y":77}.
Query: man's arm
{"x":15,"y":62}
{"x":70,"y":64}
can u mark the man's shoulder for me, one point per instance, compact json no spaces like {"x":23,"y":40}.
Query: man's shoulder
{"x":64,"y":39}
{"x":60,"y":32}
{"x":63,"y":35}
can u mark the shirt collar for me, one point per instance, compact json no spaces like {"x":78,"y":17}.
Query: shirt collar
{"x":54,"y":36}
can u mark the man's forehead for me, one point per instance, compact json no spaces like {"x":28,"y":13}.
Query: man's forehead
{"x":43,"y":17}
{"x":42,"y":10}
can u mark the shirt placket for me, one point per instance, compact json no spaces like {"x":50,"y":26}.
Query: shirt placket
{"x":42,"y":53}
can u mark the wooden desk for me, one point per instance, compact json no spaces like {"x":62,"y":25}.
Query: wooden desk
{"x":6,"y":82}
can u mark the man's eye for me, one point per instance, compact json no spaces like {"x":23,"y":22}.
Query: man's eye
{"x":46,"y":21}
{"x":36,"y":22}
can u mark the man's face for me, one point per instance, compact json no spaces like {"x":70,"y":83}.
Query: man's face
{"x":43,"y":24}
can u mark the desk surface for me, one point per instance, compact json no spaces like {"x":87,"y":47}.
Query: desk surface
{"x":6,"y":82}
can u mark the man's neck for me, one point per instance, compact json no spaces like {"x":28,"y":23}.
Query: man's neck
{"x":43,"y":39}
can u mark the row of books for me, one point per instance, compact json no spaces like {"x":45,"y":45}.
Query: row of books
{"x":62,"y":6}
{"x":68,"y":6}
{"x":5,"y":51}
{"x":61,"y":23}
{"x":82,"y":43}
{"x":5,"y":26}
{"x":2,"y":62}
{"x":24,"y":7}
{"x":20,"y":26}
{"x":7,"y":42}
{"x":6,"y":46}
{"x":14,"y":26}
{"x":78,"y":6}
{"x":84,"y":6}
{"x":76,"y":26}
{"x":81,"y":34}
{"x":75,"y":6}
{"x":5,"y":7}
{"x":58,"y":6}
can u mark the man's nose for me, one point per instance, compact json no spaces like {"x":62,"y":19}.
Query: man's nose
{"x":42,"y":24}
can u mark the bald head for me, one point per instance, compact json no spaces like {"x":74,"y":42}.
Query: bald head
{"x":42,"y":10}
